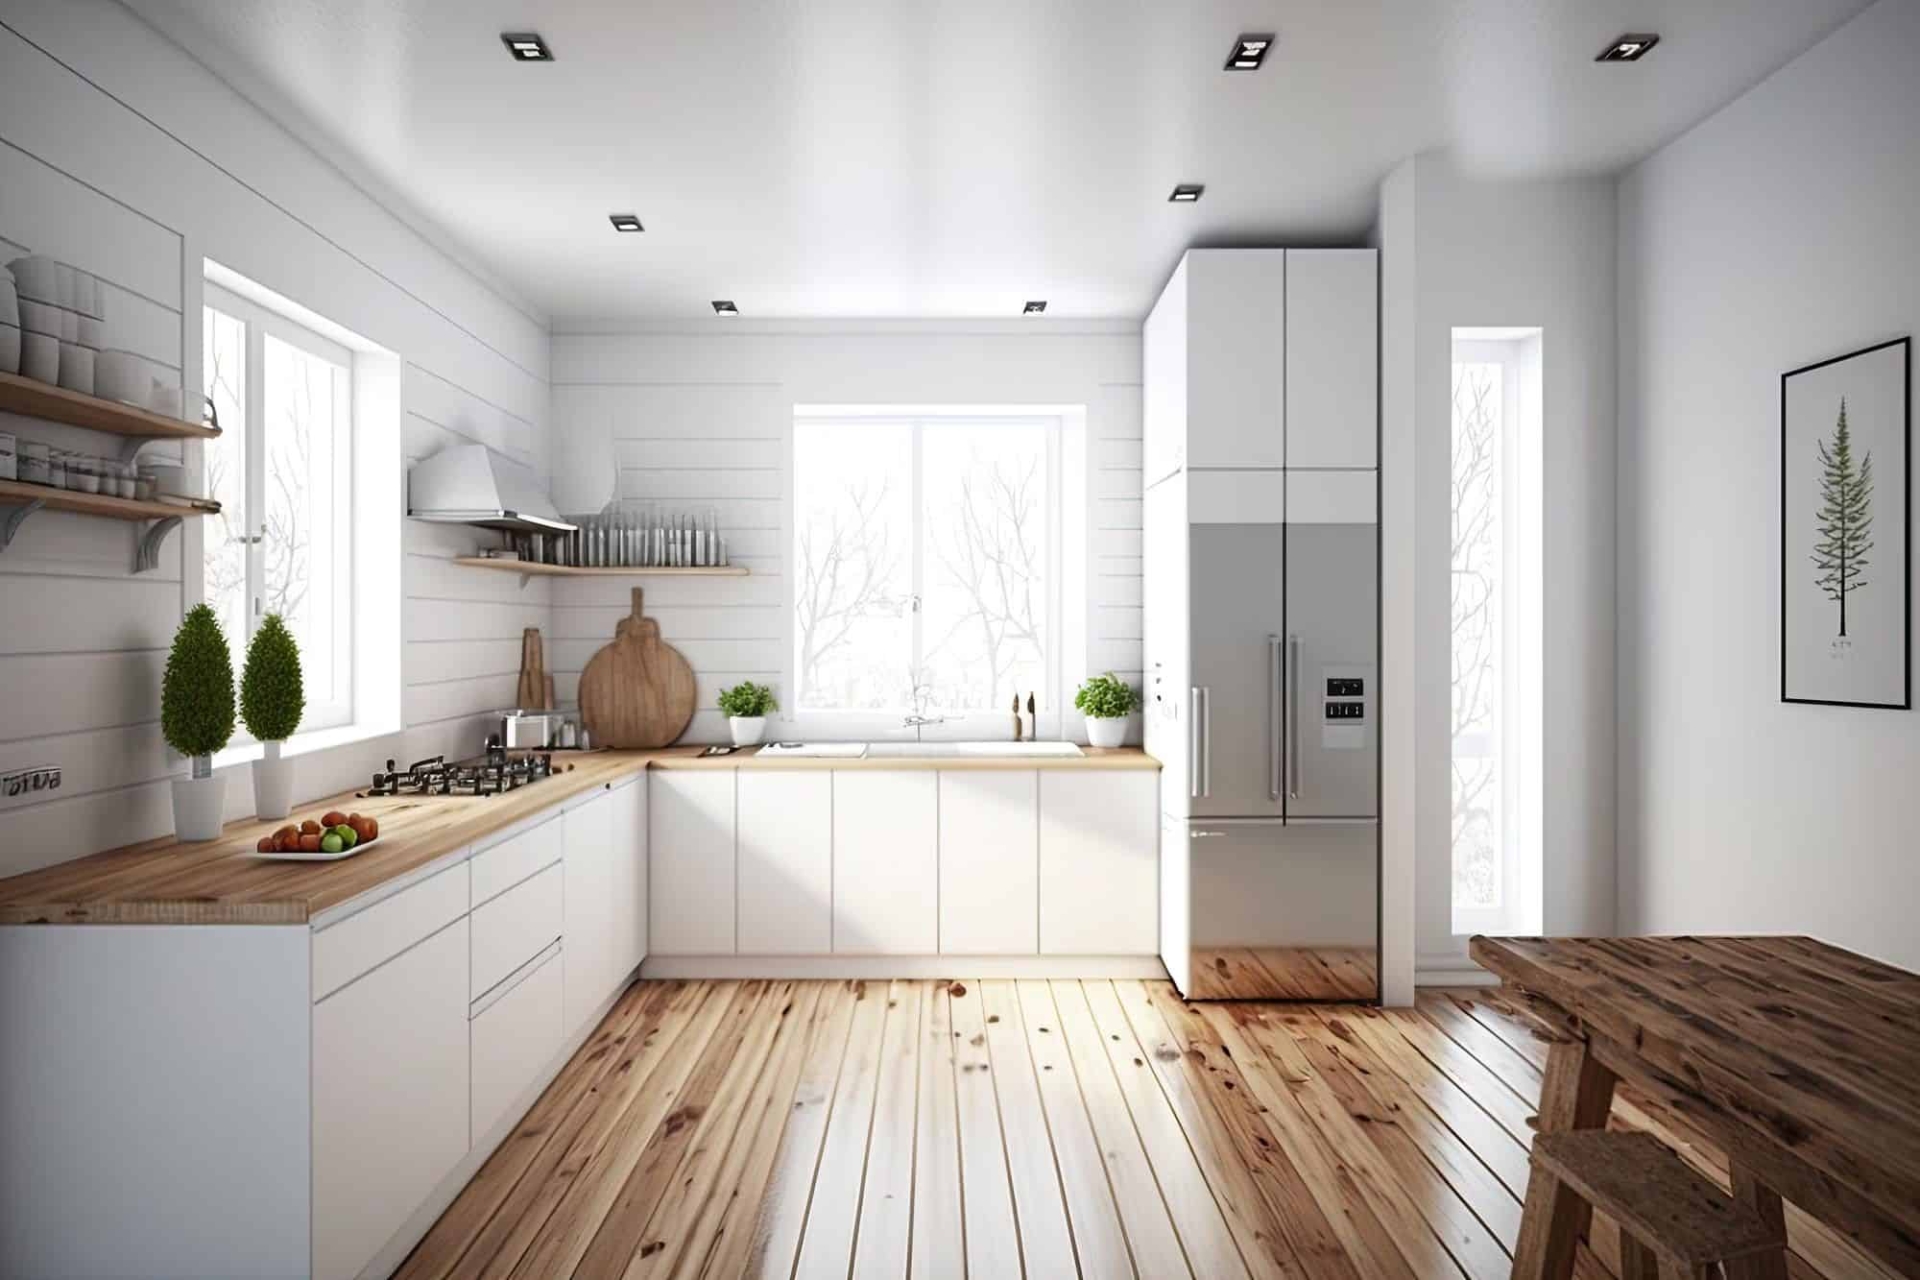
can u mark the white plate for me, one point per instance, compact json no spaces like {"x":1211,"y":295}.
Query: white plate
{"x":315,"y":856}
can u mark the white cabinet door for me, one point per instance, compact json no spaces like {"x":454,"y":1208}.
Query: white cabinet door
{"x":786,"y":863}
{"x":629,"y":823}
{"x":690,"y":851}
{"x":1236,"y":357}
{"x":515,"y":1040}
{"x":1333,"y":357}
{"x":886,"y":856}
{"x":1163,"y":359}
{"x":989,"y":863}
{"x":587,"y":944}
{"x":1099,"y":863}
{"x":390,"y":1089}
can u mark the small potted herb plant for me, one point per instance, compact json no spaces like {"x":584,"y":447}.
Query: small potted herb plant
{"x":1106,"y":701}
{"x":196,"y":719}
{"x":746,"y":705}
{"x":271,"y":700}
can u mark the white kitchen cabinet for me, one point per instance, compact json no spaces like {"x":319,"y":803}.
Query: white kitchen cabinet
{"x":628,"y":836}
{"x":1099,"y":863}
{"x":690,"y":853}
{"x":989,"y":863}
{"x":1236,"y":365}
{"x":886,"y":858}
{"x":589,"y":942}
{"x":518,"y":925}
{"x":786,"y":863}
{"x":1333,"y":357}
{"x":515,"y":1034}
{"x":1163,"y":359}
{"x":390,"y":1098}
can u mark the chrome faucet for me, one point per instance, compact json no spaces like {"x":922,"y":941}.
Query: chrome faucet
{"x":917,"y":719}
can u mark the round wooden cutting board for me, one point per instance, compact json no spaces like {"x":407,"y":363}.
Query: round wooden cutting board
{"x":638,"y":691}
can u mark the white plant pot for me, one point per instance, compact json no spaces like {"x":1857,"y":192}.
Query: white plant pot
{"x":272,"y":783}
{"x":747,"y":730}
{"x":198,"y":806}
{"x":1106,"y":732}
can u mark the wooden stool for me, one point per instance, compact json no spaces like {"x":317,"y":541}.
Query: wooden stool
{"x":1666,"y":1212}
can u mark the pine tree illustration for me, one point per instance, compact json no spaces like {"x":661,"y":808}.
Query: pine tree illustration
{"x":1846,"y":517}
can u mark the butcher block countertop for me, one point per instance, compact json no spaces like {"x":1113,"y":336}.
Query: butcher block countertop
{"x":222,"y":882}
{"x":1091,"y":758}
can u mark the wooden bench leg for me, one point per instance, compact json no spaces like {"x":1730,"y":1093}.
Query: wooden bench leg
{"x":1764,"y":1201}
{"x":1577,"y":1093}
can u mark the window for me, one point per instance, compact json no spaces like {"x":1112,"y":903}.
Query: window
{"x":926,"y":562}
{"x":1496,"y":631}
{"x":282,"y":470}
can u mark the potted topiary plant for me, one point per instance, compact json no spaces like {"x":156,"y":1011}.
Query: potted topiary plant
{"x":271,"y":700}
{"x":196,"y":719}
{"x":746,"y":705}
{"x":1106,"y":701}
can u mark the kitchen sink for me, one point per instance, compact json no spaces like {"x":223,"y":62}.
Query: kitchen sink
{"x":941,"y":750}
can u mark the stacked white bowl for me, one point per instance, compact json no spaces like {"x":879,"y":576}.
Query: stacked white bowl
{"x":62,"y":321}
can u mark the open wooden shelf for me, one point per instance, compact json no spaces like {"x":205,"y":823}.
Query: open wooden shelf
{"x":530,"y":568}
{"x":15,"y":493}
{"x":57,"y":404}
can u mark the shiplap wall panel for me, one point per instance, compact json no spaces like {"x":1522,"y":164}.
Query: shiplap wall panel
{"x":691,"y":421}
{"x":122,"y":155}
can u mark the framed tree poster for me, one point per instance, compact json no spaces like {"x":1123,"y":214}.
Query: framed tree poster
{"x":1844,"y":581}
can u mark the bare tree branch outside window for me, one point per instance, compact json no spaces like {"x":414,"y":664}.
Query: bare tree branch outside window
{"x":1476,"y":567}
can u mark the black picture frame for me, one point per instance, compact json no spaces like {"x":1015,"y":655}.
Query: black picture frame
{"x":1906,"y":526}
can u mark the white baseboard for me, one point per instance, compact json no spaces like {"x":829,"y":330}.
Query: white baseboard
{"x":903,"y":967}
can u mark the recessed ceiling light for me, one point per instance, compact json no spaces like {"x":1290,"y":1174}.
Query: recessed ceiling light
{"x":526,"y":46}
{"x":1249,"y":51}
{"x":1629,"y":48}
{"x":1186,"y":193}
{"x":625,"y":222}
{"x":1035,"y":307}
{"x":721,"y":307}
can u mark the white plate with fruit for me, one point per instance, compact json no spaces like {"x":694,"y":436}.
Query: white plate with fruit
{"x":327,"y":839}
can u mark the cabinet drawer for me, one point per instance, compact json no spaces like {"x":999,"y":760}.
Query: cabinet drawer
{"x":514,"y":1039}
{"x":515,"y":927}
{"x":499,"y":868}
{"x":344,"y":951}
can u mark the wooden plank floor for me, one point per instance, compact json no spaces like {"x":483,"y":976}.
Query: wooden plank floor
{"x":1041,"y":1128}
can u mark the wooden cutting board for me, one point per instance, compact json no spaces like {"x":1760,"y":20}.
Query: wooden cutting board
{"x":638,"y":691}
{"x":532,"y":693}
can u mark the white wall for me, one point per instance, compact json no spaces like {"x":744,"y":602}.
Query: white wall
{"x":1463,"y":251}
{"x":1781,"y":231}
{"x":121,"y":154}
{"x":699,"y":418}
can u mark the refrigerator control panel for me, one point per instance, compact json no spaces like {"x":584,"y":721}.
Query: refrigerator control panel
{"x":1343,"y":712}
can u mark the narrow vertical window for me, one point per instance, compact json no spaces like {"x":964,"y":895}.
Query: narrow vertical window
{"x":1496,"y":637}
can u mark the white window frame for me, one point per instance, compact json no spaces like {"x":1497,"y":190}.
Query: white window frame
{"x":260,"y":322}
{"x":865,"y":724}
{"x":1521,"y":640}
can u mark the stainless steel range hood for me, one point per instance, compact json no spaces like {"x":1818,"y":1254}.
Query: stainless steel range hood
{"x":470,"y":484}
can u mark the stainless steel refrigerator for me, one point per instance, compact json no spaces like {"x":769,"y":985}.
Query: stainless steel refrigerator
{"x":1282,"y":762}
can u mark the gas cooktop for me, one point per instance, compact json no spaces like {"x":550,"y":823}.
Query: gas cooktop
{"x":491,"y":774}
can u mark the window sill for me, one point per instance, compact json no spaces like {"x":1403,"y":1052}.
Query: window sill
{"x":301,"y":744}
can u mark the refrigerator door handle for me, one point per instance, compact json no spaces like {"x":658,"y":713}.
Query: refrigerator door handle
{"x":1193,"y":743}
{"x":1206,"y":741}
{"x":1293,"y":717}
{"x":1273,"y":717}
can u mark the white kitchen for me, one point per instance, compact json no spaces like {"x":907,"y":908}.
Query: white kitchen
{"x":1002,"y":640}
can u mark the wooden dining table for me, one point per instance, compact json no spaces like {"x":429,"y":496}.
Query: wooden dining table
{"x":1800,"y":1060}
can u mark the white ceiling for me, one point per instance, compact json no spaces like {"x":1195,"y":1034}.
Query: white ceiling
{"x":935,"y":158}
